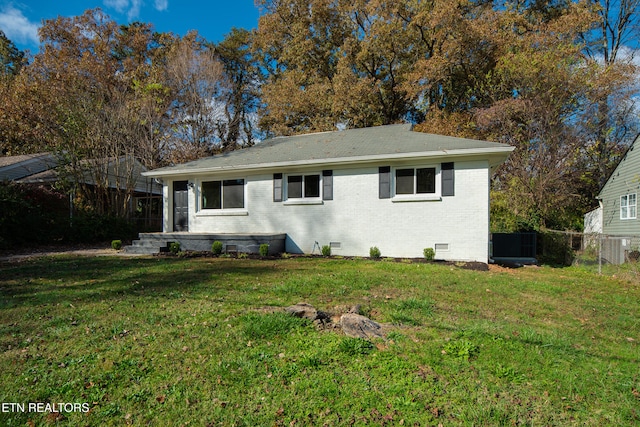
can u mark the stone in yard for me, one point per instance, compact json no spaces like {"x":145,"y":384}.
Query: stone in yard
{"x":358,"y":326}
{"x":303,"y":310}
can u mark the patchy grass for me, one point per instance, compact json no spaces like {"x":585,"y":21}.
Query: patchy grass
{"x":171,"y":341}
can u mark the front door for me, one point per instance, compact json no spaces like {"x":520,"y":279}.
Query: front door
{"x":180,"y":206}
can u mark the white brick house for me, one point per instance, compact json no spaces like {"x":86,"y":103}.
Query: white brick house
{"x":386,"y":186}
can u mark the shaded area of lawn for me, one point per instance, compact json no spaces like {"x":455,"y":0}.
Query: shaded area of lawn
{"x":87,"y":279}
{"x":203,"y":342}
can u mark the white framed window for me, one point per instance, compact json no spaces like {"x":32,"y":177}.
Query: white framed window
{"x":416,"y":183}
{"x":628,"y":206}
{"x":303,"y":186}
{"x":222,"y":194}
{"x":303,"y":189}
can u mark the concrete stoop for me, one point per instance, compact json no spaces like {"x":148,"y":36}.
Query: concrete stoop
{"x":153,"y":243}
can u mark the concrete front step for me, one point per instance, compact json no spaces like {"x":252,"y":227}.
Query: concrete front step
{"x":140,"y":250}
{"x":143,"y":247}
{"x":153,"y":243}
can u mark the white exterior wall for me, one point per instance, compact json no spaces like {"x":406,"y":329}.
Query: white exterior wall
{"x":356,"y":217}
{"x":593,"y":221}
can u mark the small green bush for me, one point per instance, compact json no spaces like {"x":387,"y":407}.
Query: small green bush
{"x":174,"y":247}
{"x":216,"y":247}
{"x":264,"y":249}
{"x":374,"y":252}
{"x":326,"y":250}
{"x":429,"y":254}
{"x":116,"y":244}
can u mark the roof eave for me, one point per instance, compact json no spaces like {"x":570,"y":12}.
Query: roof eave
{"x":497,"y":155}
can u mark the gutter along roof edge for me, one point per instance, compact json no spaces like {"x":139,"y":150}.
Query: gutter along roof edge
{"x":473,"y":152}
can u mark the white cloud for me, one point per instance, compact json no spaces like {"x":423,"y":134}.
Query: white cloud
{"x":118,"y":5}
{"x":17,"y":27}
{"x":134,"y":11}
{"x":132,"y":7}
{"x":161,"y":5}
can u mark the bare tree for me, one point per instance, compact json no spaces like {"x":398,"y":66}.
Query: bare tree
{"x":611,"y":120}
{"x":195,"y":77}
{"x":86,"y":82}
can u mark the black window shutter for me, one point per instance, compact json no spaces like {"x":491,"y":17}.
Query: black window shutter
{"x":327,"y":185}
{"x":384,"y":187}
{"x":448,"y":179}
{"x":277,"y":187}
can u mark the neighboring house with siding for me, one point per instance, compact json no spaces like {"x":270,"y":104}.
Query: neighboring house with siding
{"x":15,"y":168}
{"x":619,"y":196}
{"x":387,"y":186}
{"x":121,"y":174}
{"x":42,"y":168}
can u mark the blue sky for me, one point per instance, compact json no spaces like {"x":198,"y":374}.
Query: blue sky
{"x":213,"y":19}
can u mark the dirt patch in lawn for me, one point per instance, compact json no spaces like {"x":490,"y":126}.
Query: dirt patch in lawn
{"x":22,"y":254}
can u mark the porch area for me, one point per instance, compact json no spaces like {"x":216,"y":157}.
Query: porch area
{"x":153,"y":243}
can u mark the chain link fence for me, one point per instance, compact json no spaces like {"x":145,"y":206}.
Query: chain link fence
{"x":610,"y":253}
{"x":602,"y":249}
{"x":590,"y":249}
{"x":617,"y":249}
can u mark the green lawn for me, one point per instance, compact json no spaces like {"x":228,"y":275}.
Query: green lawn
{"x":204,"y":342}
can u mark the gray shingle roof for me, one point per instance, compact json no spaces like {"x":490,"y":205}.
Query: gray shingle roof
{"x":348,"y":146}
{"x":16,"y":167}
